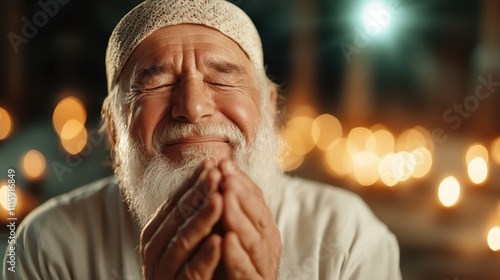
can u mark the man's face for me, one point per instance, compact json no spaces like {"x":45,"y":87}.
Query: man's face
{"x":190,"y":74}
{"x":190,"y":94}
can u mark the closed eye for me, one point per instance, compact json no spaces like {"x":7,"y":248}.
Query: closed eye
{"x":157,"y":88}
{"x":221,"y":85}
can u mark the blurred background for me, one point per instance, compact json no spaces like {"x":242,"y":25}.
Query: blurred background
{"x":396,"y":100}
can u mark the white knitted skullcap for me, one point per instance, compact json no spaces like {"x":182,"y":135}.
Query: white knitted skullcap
{"x":152,"y":15}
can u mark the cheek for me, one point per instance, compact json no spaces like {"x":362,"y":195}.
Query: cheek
{"x":244,"y":112}
{"x":146,"y":114}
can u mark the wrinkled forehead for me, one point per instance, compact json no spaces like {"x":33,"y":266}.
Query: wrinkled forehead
{"x":151,"y":15}
{"x":167,"y":45}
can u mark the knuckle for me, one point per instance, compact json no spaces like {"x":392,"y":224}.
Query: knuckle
{"x":262,"y":223}
{"x":255,"y":249}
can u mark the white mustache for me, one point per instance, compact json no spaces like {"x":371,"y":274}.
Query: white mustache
{"x":178,"y":131}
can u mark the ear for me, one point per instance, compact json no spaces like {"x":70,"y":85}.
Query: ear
{"x":109,"y":125}
{"x":273,"y":95}
{"x":111,"y":133}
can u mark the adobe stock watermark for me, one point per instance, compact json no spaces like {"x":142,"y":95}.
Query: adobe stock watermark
{"x":48,"y":9}
{"x":95,"y":138}
{"x":375,"y":19}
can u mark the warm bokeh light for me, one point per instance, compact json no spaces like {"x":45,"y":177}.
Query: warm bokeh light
{"x":495,"y":150}
{"x":411,"y":139}
{"x":292,"y":161}
{"x":73,"y":136}
{"x":5,"y":124}
{"x":429,"y":143}
{"x":449,"y":191}
{"x":494,"y":238}
{"x":381,"y":142}
{"x":298,"y":135}
{"x":337,"y":160}
{"x":326,"y":131}
{"x":33,"y":165}
{"x":295,"y":142}
{"x":386,"y":172}
{"x":365,"y":168}
{"x":498,"y":210}
{"x":71,"y":129}
{"x":477,"y":170}
{"x":4,"y":195}
{"x":357,"y":140}
{"x":67,"y":109}
{"x":476,"y":150}
{"x":424,"y":160}
{"x":403,"y":165}
{"x":304,"y":110}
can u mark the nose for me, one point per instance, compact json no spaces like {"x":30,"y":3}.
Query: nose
{"x":192,"y":102}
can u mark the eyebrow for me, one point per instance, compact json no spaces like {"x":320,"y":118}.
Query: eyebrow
{"x":152,"y":71}
{"x":225,"y":67}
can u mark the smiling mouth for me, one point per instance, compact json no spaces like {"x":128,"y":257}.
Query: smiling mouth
{"x":198,"y":140}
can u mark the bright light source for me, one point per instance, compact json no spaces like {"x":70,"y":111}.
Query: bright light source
{"x":376,"y":18}
{"x":403,"y":165}
{"x":424,"y":162}
{"x":477,"y":170}
{"x":385,"y":171}
{"x":68,"y":108}
{"x":495,"y":150}
{"x":357,"y":140}
{"x":292,"y":161}
{"x":326,"y":131}
{"x":295,"y":142}
{"x":410,"y":140}
{"x":5,"y":124}
{"x":73,"y":136}
{"x":337,"y":160}
{"x":298,"y":135}
{"x":365,"y":167}
{"x":33,"y":165}
{"x":4,"y":196}
{"x":449,"y":191}
{"x":476,"y":150}
{"x":381,"y":142}
{"x":494,"y":238}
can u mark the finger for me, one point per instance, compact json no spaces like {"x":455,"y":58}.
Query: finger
{"x":204,"y":263}
{"x":249,"y":196}
{"x":238,"y":263}
{"x":247,"y":214}
{"x":250,"y":238}
{"x":190,"y":235}
{"x":169,"y":203}
{"x":153,"y":248}
{"x":229,"y":169}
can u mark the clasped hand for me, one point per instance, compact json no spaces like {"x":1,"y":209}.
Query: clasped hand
{"x":216,"y":226}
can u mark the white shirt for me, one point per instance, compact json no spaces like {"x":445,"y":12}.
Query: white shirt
{"x":327,"y":233}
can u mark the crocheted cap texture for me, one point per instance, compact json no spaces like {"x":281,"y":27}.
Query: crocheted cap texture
{"x":152,"y":15}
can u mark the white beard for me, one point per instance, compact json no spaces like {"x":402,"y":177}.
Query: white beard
{"x":148,"y":181}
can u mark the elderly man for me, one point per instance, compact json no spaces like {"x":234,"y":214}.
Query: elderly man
{"x":198,"y":192}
